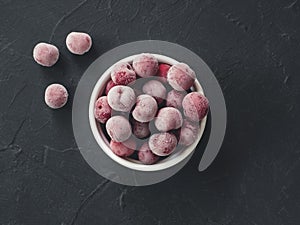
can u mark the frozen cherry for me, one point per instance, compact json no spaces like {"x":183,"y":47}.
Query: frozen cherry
{"x":174,"y":98}
{"x":121,"y":98}
{"x":195,"y":106}
{"x":123,"y":149}
{"x":122,"y":74}
{"x":145,"y":65}
{"x":118,"y":128}
{"x":45,"y":54}
{"x":78,"y":43}
{"x":140,"y":130}
{"x":102,"y":110}
{"x":156,"y":89}
{"x":145,"y":109}
{"x":181,"y":77}
{"x":163,"y":71}
{"x":162,"y":144}
{"x":168,"y":118}
{"x":188,"y":133}
{"x":146,"y":156}
{"x":110,"y":84}
{"x":56,"y":96}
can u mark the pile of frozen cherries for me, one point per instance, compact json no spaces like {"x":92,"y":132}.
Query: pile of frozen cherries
{"x":148,"y":109}
{"x":45,"y":54}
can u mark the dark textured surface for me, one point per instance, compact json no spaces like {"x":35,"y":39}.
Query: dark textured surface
{"x":253,"y":48}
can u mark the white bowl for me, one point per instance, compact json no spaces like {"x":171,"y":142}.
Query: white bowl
{"x":102,"y":141}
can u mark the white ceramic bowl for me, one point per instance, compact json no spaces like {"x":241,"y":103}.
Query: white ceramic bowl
{"x":101,"y":139}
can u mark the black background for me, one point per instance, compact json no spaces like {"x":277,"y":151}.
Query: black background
{"x":253,"y":49}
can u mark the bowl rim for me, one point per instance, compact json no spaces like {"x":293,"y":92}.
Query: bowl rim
{"x":171,"y":160}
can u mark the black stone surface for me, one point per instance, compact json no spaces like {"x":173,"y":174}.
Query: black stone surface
{"x":252,"y":47}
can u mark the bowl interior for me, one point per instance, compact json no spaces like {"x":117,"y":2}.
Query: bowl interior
{"x":102,"y":141}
